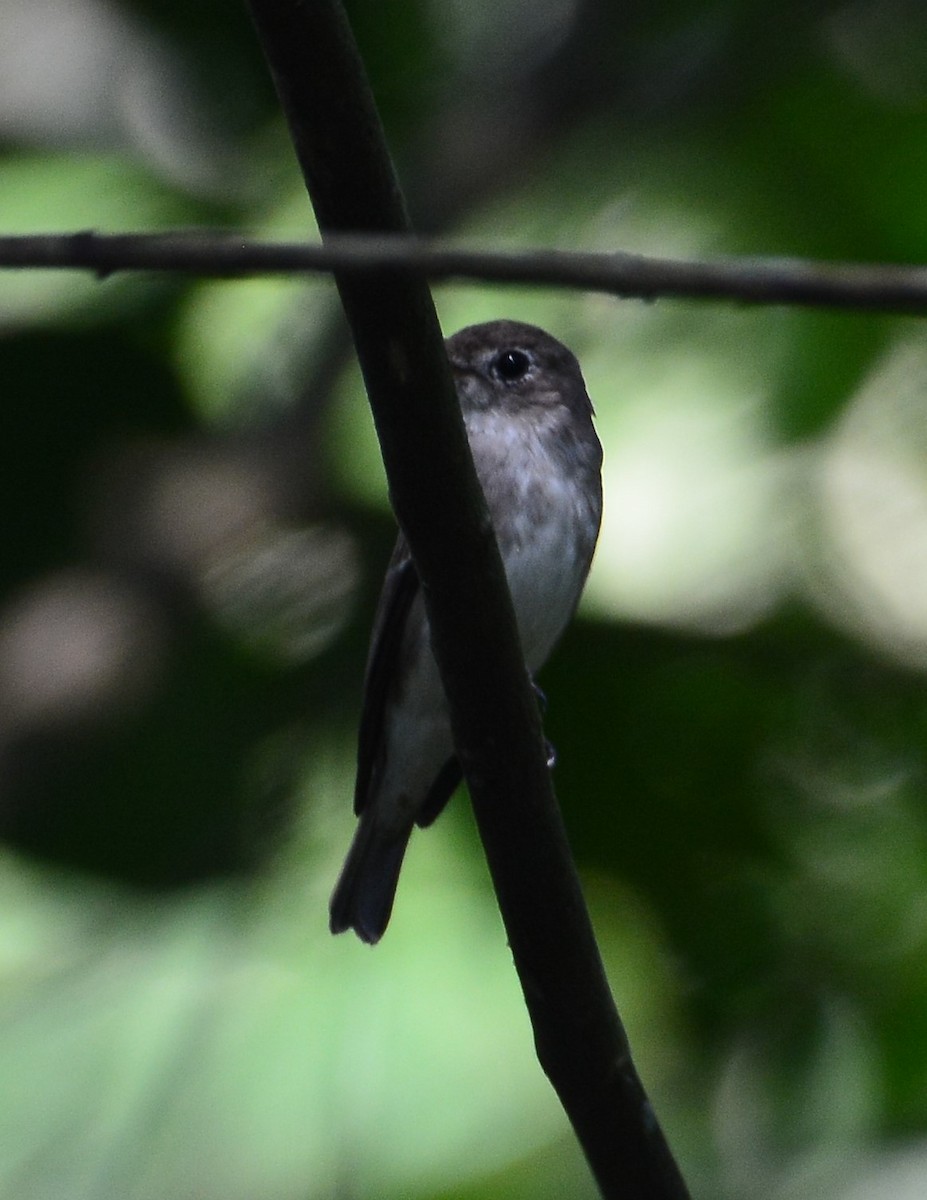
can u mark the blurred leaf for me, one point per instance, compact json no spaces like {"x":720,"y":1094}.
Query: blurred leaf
{"x":243,"y":347}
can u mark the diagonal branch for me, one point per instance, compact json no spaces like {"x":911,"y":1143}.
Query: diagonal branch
{"x":853,"y":286}
{"x":581,"y":1043}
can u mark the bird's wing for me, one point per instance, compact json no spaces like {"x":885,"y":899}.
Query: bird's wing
{"x":400,"y":588}
{"x":440,"y":792}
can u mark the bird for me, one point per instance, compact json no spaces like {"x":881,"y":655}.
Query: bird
{"x":529,"y":422}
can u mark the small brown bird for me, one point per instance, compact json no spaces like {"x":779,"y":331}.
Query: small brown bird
{"x":529,"y":423}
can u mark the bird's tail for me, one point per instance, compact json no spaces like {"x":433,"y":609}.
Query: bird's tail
{"x":363,"y":897}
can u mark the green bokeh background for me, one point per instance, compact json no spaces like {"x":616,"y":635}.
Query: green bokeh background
{"x":194,"y":526}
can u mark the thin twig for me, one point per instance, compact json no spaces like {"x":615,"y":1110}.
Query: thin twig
{"x":322,"y":86}
{"x":855,"y":286}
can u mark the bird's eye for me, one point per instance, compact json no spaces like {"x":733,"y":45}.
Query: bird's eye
{"x":510,"y":365}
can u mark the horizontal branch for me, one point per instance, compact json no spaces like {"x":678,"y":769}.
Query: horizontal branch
{"x":852,"y":286}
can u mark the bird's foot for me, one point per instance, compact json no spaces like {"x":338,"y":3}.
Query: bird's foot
{"x":542,"y":704}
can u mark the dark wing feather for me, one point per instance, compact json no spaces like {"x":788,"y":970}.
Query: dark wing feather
{"x":400,"y":588}
{"x":440,"y":792}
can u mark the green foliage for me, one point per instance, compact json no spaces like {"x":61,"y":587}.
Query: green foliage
{"x":194,"y":527}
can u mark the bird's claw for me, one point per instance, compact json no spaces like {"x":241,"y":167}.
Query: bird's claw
{"x":542,"y":704}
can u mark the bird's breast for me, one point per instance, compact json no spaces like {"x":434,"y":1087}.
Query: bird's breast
{"x":545,"y":512}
